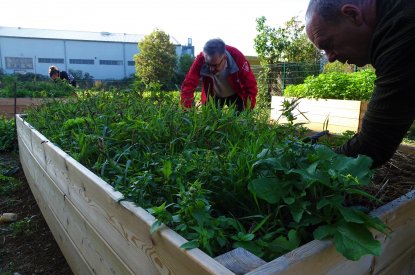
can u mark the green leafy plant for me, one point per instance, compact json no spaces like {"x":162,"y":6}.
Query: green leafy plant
{"x":309,"y":185}
{"x":13,"y":86}
{"x":335,"y":85}
{"x":26,"y":226}
{"x":7,"y":133}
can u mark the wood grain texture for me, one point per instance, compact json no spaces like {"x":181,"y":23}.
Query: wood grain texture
{"x":240,"y":261}
{"x":342,"y":115}
{"x":7,"y":107}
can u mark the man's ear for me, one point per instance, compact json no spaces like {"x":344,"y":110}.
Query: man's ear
{"x":352,"y":13}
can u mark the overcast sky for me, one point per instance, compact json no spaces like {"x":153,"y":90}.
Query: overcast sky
{"x":231,"y":20}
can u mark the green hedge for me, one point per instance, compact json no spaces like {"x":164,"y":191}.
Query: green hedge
{"x":7,"y":134}
{"x":38,"y":89}
{"x":335,"y":85}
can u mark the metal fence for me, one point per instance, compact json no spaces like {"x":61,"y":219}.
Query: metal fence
{"x":277,"y":76}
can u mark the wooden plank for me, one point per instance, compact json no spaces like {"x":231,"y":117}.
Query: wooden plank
{"x":407,"y":148}
{"x":24,"y":131}
{"x":399,"y":215}
{"x":403,"y":264}
{"x":343,"y":115}
{"x":23,"y":101}
{"x":125,"y":226}
{"x":91,"y":246}
{"x":315,"y":257}
{"x":276,"y":102}
{"x":240,"y":261}
{"x":72,"y":255}
{"x":22,"y":104}
{"x":332,"y":120}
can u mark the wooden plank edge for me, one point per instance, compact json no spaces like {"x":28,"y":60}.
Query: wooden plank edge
{"x":74,"y":258}
{"x":167,"y":243}
{"x":88,"y":241}
{"x":240,"y":261}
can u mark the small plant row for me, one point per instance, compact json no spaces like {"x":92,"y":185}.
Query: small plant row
{"x":10,"y":86}
{"x":220,"y":180}
{"x":335,"y":85}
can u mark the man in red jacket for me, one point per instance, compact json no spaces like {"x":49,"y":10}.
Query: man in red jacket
{"x":226,"y":75}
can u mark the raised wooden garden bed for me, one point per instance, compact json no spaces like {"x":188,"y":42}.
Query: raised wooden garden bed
{"x":9,"y":106}
{"x":342,"y":115}
{"x":99,"y":234}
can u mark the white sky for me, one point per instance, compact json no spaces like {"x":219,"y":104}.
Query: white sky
{"x":231,"y":20}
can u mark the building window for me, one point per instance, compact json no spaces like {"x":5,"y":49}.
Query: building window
{"x":50,"y":60}
{"x":110,"y":62}
{"x":131,"y":63}
{"x":82,"y":61}
{"x":19,"y":63}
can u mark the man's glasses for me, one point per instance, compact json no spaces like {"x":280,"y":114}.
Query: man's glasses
{"x":215,"y":66}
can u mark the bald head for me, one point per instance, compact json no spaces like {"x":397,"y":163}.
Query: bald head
{"x":329,"y":10}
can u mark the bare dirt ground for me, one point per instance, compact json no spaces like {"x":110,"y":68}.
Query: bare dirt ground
{"x":31,"y":249}
{"x":26,"y":246}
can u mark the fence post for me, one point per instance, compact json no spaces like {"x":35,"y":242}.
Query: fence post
{"x":15,"y":106}
{"x":283,"y":78}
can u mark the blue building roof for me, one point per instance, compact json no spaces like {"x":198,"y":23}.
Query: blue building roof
{"x":73,"y":35}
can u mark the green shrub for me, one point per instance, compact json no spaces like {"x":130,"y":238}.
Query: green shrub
{"x":38,"y":89}
{"x":411,"y":132}
{"x":335,"y":85}
{"x":7,"y":134}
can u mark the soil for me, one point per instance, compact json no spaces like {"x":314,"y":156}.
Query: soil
{"x":26,"y":246}
{"x":34,"y":250}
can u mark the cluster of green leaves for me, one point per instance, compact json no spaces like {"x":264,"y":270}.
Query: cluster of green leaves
{"x":219,"y":180}
{"x":307,"y":186}
{"x":7,"y":133}
{"x":411,"y":132}
{"x":11,"y":87}
{"x":286,"y":43}
{"x":26,"y":226}
{"x":335,"y":85}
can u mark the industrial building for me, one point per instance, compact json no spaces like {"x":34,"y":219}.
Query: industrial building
{"x":103,"y":55}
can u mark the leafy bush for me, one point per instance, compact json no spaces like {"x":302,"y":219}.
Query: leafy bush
{"x":34,"y":89}
{"x":335,"y":85}
{"x":7,"y":134}
{"x":410,"y":136}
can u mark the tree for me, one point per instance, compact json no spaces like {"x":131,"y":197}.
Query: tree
{"x":275,"y":47}
{"x":185,"y":62}
{"x":156,"y":60}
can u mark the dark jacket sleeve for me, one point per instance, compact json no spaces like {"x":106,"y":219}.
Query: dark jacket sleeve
{"x":391,"y":110}
{"x":64,"y":75}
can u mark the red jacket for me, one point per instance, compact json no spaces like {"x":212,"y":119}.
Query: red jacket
{"x":241,"y":79}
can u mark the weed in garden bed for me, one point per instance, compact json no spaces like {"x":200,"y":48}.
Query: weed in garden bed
{"x":7,"y":133}
{"x":221,"y":181}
